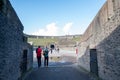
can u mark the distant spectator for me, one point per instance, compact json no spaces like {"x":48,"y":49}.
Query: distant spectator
{"x":58,"y":49}
{"x":52,"y":47}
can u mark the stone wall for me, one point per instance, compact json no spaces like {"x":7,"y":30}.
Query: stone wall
{"x":11,"y":42}
{"x":52,"y":37}
{"x":29,"y":49}
{"x":103,"y":34}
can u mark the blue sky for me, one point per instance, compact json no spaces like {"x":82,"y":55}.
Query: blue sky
{"x":56,"y":17}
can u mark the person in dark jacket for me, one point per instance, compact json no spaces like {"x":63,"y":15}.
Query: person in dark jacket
{"x":46,"y":56}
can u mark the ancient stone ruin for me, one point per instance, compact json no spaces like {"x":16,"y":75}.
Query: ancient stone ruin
{"x":99,"y":48}
{"x":15,"y":52}
{"x":100,"y":44}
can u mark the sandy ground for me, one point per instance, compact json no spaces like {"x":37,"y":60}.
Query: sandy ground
{"x":64,"y":57}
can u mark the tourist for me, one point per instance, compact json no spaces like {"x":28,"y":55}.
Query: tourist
{"x":39,"y":52}
{"x":46,"y":57}
{"x":51,"y":50}
{"x":58,"y":49}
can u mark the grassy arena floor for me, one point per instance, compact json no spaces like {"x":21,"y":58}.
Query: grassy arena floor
{"x":47,"y":41}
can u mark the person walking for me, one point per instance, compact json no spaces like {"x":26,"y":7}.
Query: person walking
{"x":46,"y":57}
{"x":39,"y":52}
{"x":58,"y":49}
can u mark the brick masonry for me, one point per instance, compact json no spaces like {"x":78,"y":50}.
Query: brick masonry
{"x":11,"y":43}
{"x":103,"y":34}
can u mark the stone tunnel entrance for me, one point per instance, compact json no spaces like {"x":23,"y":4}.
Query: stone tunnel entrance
{"x":93,"y":62}
{"x":24,"y":62}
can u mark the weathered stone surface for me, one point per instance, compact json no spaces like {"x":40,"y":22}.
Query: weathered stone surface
{"x":11,"y":43}
{"x":103,"y":34}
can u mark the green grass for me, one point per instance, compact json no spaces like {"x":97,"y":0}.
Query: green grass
{"x":41,"y":41}
{"x":47,"y":41}
{"x":77,"y":39}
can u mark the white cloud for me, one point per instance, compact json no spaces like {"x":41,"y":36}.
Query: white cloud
{"x":49,"y":30}
{"x":53,"y":30}
{"x":67,"y":28}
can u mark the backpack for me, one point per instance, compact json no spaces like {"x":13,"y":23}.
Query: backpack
{"x":46,"y":52}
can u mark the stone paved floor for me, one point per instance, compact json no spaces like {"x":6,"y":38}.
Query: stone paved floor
{"x":58,"y":73}
{"x":63,"y":68}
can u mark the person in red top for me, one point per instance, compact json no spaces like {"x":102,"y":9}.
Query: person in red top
{"x":39,"y":52}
